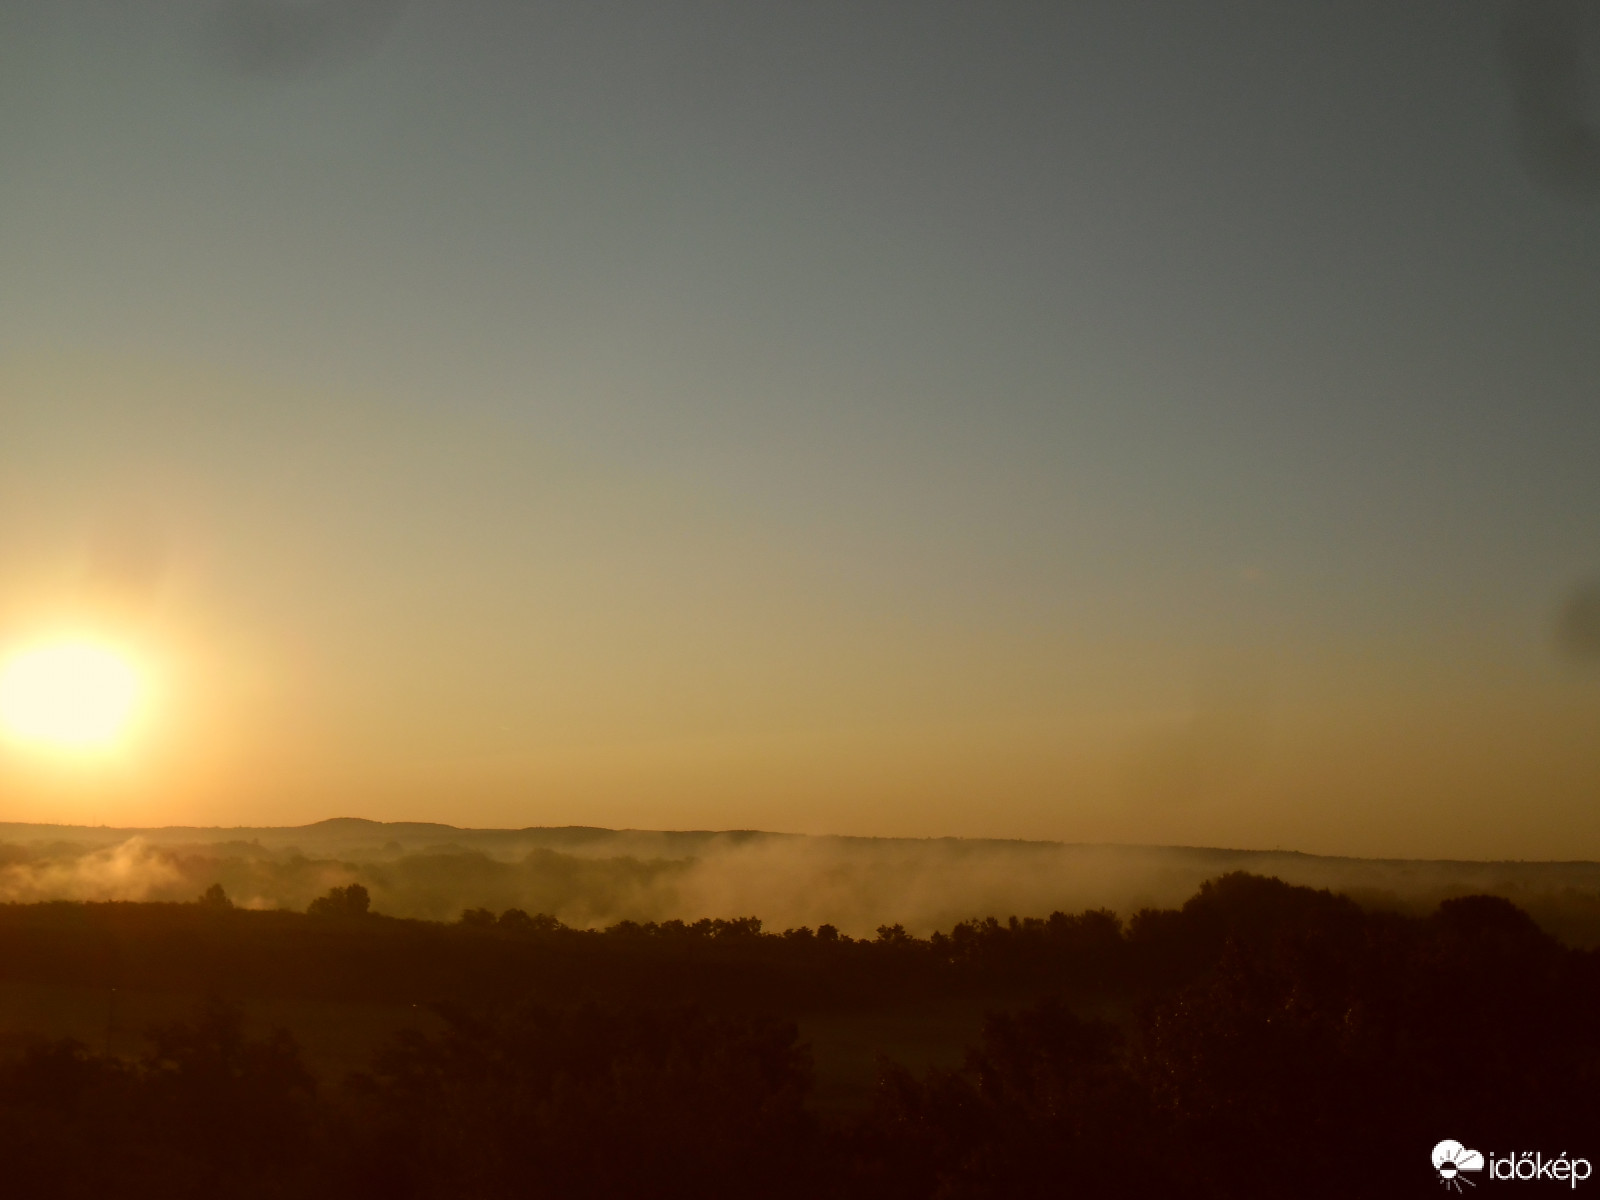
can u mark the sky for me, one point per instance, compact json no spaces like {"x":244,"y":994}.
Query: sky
{"x":1132,"y":422}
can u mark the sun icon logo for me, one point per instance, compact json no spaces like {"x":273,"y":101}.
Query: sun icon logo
{"x":1452,"y":1158}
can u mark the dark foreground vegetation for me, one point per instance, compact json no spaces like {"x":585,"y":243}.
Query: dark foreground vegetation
{"x":1264,"y":1040}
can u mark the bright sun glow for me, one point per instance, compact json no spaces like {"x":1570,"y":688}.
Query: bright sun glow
{"x":73,"y":695}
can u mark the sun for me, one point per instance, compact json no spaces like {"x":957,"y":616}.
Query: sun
{"x":69,"y":695}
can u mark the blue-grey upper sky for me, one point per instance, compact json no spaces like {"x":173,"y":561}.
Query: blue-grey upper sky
{"x":1149,"y":421}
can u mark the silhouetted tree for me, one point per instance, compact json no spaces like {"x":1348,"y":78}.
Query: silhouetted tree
{"x":232,"y":1102}
{"x":1046,"y":1105}
{"x":351,"y":901}
{"x":1261,"y":1040}
{"x":598,"y":1102}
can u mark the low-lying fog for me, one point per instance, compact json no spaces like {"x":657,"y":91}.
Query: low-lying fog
{"x":593,"y":877}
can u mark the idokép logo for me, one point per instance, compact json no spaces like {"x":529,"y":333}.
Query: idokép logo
{"x":1454,"y":1162}
{"x":1450,"y":1159}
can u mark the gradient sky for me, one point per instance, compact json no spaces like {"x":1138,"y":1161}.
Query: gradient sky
{"x":1147,"y":422}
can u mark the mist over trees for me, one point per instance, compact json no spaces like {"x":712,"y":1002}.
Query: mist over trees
{"x":597,"y":877}
{"x":1263,"y":1039}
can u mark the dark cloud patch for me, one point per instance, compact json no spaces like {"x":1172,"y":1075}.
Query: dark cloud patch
{"x":286,"y":39}
{"x":1578,"y":626}
{"x":1550,"y":56}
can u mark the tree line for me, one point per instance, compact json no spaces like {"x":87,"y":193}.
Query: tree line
{"x":1261,"y":1040}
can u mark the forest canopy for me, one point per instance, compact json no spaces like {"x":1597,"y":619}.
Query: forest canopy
{"x":1241,"y":1044}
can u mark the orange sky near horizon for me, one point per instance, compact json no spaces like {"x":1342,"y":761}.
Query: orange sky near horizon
{"x":1064,"y":422}
{"x":297,"y":672}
